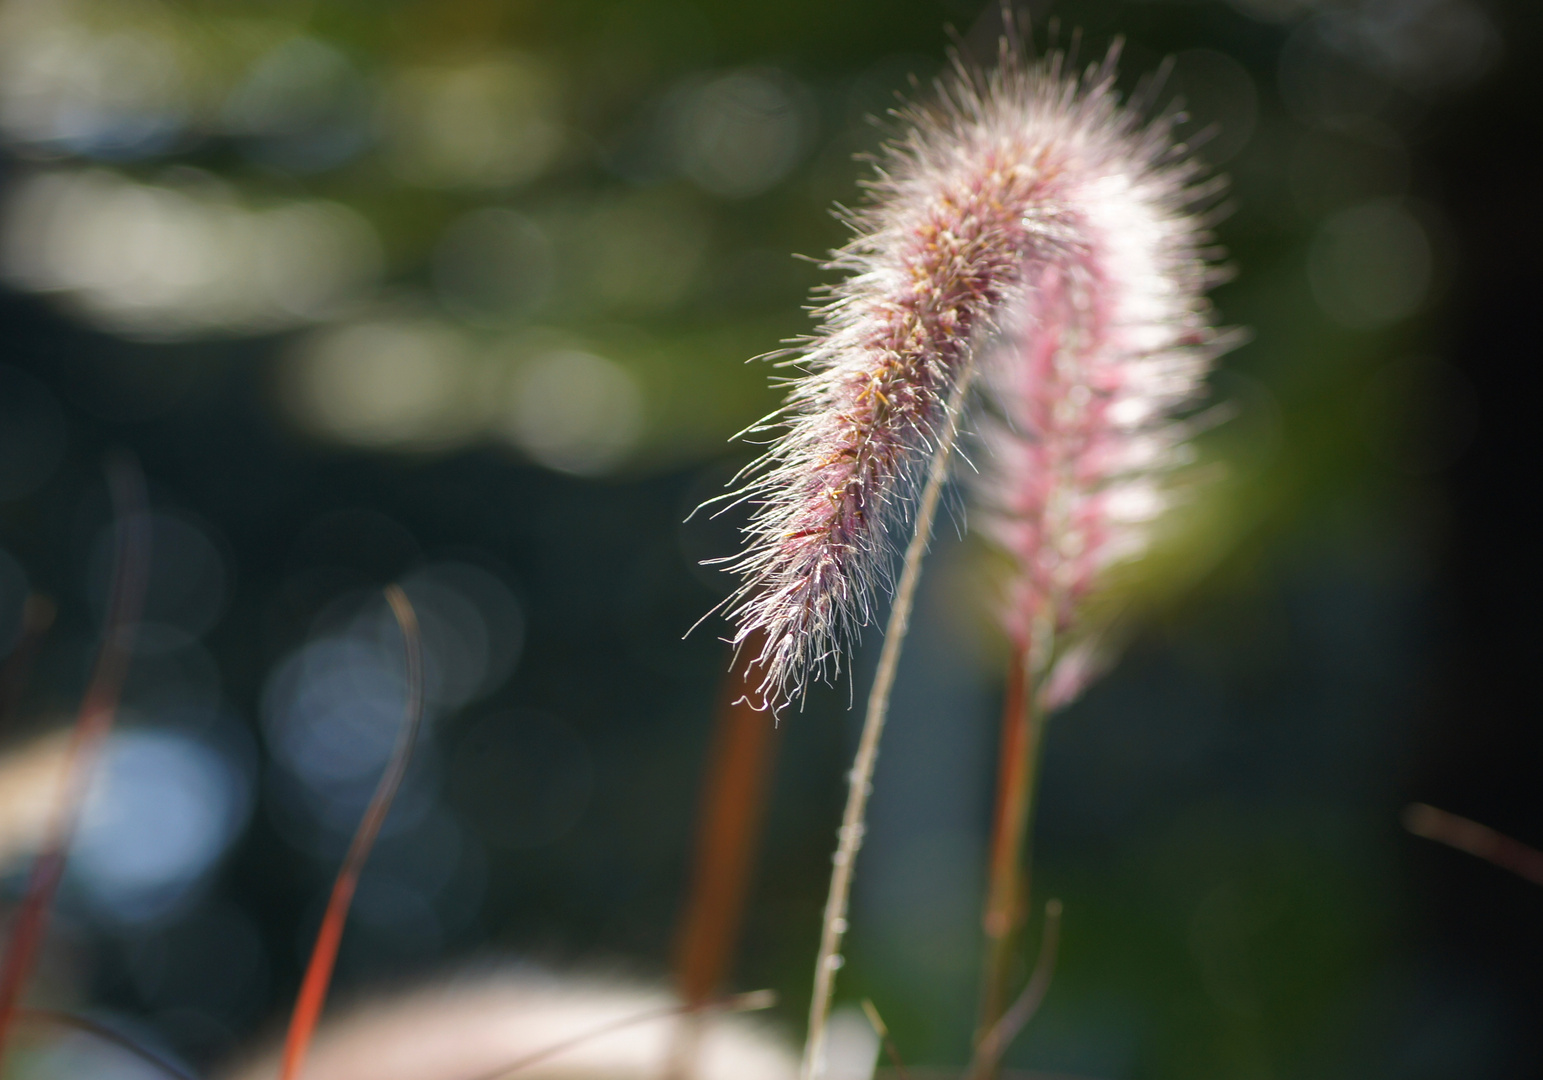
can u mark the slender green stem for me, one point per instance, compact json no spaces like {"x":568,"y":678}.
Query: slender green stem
{"x":860,"y":779}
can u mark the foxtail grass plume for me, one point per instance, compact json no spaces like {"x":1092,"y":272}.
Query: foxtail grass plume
{"x":1030,"y":225}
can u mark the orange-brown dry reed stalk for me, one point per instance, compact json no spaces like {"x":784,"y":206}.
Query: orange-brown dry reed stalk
{"x":728,"y":828}
{"x":1007,"y":888}
{"x":318,"y":973}
{"x":98,"y":710}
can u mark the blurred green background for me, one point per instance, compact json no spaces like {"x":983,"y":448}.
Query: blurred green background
{"x":461,"y":294}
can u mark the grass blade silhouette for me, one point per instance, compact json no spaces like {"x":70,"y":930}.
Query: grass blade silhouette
{"x":106,"y":1034}
{"x":881,"y":1029}
{"x":1001,"y":1034}
{"x":751,"y":1002}
{"x":1477,"y":840}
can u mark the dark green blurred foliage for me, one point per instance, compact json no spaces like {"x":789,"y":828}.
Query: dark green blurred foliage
{"x":527,"y":357}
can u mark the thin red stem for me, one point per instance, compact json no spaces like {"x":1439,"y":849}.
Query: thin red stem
{"x":1007,"y":890}
{"x":318,"y":973}
{"x":94,"y":723}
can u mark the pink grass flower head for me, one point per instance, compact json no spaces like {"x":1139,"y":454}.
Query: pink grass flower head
{"x":1111,"y":333}
{"x":1027,"y":224}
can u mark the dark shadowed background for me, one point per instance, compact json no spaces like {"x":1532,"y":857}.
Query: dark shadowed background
{"x":459,"y":294}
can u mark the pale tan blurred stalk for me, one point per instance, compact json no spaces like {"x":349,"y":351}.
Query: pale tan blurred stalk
{"x":30,"y":777}
{"x":529,"y":1026}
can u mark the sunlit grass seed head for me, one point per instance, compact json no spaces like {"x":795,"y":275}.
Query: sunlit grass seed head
{"x":1030,"y":224}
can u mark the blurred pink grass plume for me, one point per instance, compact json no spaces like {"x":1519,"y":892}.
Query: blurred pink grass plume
{"x":1110,"y":335}
{"x":1028,"y":224}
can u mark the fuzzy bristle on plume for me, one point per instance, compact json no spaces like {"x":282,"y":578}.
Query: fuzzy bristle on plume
{"x":1029,"y":225}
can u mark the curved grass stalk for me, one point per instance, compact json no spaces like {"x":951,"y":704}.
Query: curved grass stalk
{"x":96,"y":1030}
{"x":1001,"y":1034}
{"x":1477,"y":840}
{"x":860,"y":780}
{"x":98,"y":711}
{"x":751,"y":1002}
{"x":1007,"y":891}
{"x":318,"y":973}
